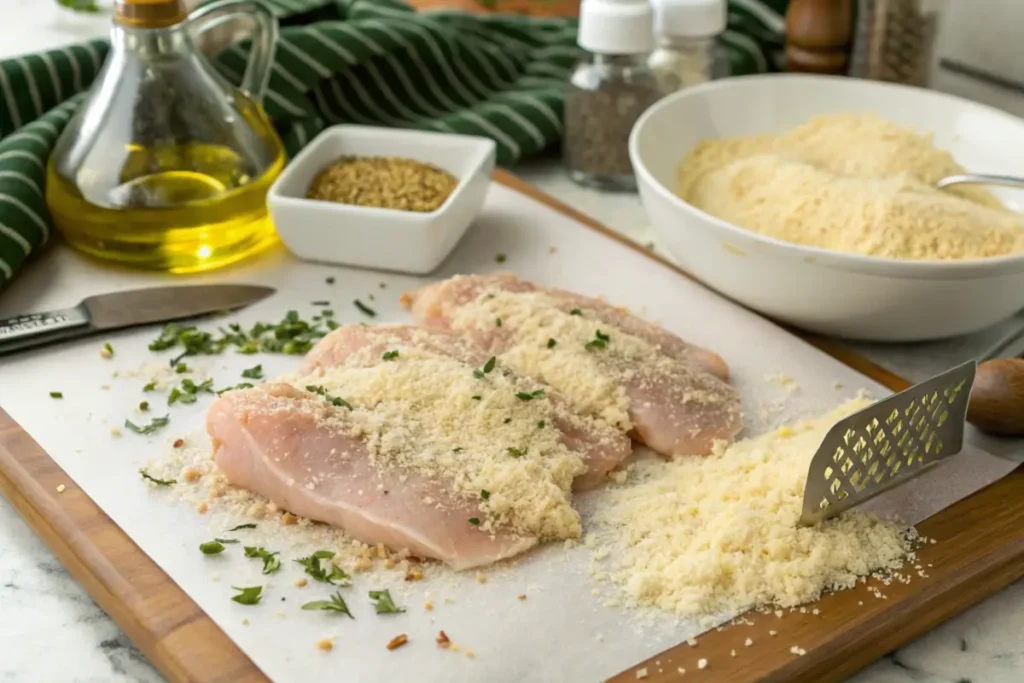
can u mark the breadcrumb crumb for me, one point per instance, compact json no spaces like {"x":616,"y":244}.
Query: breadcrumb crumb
{"x":60,"y":489}
{"x":702,"y":663}
{"x":325,"y":644}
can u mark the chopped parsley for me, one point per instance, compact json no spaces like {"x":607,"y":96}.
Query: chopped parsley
{"x":383,"y":602}
{"x":150,"y":387}
{"x":270,"y":562}
{"x":575,"y":311}
{"x":159,"y":482}
{"x":56,"y":394}
{"x":540,"y":424}
{"x":211,"y":548}
{"x":156,"y":424}
{"x":242,"y":526}
{"x":600,"y":341}
{"x":507,"y":420}
{"x":458,"y":449}
{"x":241,"y":385}
{"x":108,"y":350}
{"x":485,"y":494}
{"x":488,"y":367}
{"x":320,"y":303}
{"x":497,"y":322}
{"x":524,"y":396}
{"x":515,"y":452}
{"x":363,"y":308}
{"x":552,"y":343}
{"x":255,"y":372}
{"x":248,"y":596}
{"x":477,"y":397}
{"x":335,"y":604}
{"x":333,"y":400}
{"x":182,"y":368}
{"x":390,"y":355}
{"x":144,"y":406}
{"x":189,"y":391}
{"x":475,"y":521}
{"x":499,"y":258}
{"x":313,"y":567}
{"x":329,"y":280}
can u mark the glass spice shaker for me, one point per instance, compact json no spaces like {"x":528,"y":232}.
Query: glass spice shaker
{"x":688,"y":52}
{"x":608,"y":90}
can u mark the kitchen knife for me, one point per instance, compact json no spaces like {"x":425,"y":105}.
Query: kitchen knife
{"x":123,"y":309}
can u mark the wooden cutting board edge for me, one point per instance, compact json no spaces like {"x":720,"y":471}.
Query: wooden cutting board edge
{"x":982,"y":551}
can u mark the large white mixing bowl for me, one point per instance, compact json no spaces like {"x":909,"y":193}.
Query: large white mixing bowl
{"x":836,"y":293}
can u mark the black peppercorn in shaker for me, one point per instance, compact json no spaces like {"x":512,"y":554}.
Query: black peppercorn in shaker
{"x":607,"y":92}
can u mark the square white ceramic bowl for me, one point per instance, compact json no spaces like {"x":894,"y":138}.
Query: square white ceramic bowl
{"x":367,"y":237}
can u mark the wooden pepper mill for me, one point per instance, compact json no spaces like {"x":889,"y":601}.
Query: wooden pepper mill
{"x":818,"y":36}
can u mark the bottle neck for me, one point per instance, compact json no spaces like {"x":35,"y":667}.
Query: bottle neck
{"x":617,"y":61}
{"x":685,"y":43}
{"x":151,"y":42}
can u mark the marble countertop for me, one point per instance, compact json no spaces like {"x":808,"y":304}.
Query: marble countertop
{"x":62,"y":636}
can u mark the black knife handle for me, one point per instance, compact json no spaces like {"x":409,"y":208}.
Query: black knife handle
{"x":38,"y":329}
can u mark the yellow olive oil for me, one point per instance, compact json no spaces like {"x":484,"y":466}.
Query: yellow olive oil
{"x":180,"y":208}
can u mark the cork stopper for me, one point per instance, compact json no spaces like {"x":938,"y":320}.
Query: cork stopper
{"x":149,"y":13}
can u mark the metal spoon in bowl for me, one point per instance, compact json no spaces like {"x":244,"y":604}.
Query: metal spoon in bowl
{"x":980,"y":179}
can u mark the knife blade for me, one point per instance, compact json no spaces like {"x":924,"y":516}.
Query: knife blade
{"x":129,"y":308}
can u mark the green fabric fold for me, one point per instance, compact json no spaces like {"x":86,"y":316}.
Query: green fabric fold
{"x":375,"y":62}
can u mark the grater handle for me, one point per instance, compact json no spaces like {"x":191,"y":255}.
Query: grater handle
{"x":997,"y":399}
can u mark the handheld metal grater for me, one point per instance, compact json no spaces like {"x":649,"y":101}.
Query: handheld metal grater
{"x":888,"y":443}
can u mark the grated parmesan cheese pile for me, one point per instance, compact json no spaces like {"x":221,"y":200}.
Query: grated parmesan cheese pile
{"x":430,"y":413}
{"x":595,"y":380}
{"x":849,"y":182}
{"x":706,"y":537}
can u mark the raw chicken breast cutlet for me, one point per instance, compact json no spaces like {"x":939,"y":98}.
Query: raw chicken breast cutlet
{"x":412,"y":438}
{"x":670,"y":395}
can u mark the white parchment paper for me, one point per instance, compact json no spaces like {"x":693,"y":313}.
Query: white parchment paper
{"x":561,"y":632}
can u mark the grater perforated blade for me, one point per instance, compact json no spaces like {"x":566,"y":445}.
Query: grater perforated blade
{"x":887,"y":443}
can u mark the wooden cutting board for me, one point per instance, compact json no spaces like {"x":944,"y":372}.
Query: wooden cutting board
{"x":979,"y":549}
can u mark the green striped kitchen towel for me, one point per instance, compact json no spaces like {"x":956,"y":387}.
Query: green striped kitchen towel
{"x":360,"y":61}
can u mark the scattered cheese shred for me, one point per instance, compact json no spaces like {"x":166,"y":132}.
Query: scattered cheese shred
{"x":706,"y":536}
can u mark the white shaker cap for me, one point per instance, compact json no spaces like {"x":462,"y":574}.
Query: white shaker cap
{"x":616,"y":27}
{"x":689,"y":18}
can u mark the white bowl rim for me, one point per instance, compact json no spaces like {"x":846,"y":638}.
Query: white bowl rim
{"x":889,"y":267}
{"x":486,"y":147}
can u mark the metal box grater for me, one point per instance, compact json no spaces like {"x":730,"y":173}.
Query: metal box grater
{"x":887,"y":443}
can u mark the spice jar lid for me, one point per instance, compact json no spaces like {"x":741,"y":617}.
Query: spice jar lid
{"x":689,"y":18}
{"x":616,"y":27}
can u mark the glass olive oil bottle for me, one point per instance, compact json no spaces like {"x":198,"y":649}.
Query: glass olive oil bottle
{"x":166,"y":165}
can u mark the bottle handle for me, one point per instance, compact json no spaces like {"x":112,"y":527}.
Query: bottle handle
{"x":264,"y":38}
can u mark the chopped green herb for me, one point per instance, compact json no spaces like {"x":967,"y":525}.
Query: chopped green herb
{"x":383,"y":602}
{"x":475,"y":521}
{"x":363,"y":308}
{"x":291,"y":335}
{"x":182,"y":368}
{"x":477,"y":398}
{"x":152,"y":427}
{"x":485,"y":494}
{"x":575,"y":311}
{"x":488,"y":367}
{"x":390,"y":355}
{"x":479,"y":374}
{"x":458,"y":449}
{"x":500,"y":258}
{"x":507,"y":420}
{"x":226,"y":541}
{"x":56,"y":394}
{"x":211,"y":548}
{"x":333,"y":400}
{"x":515,"y":452}
{"x":159,"y":482}
{"x":497,"y":322}
{"x":108,"y":350}
{"x":540,"y":424}
{"x":270,"y":562}
{"x":242,"y":385}
{"x":255,"y":372}
{"x":315,"y":569}
{"x":248,"y":596}
{"x":552,"y":343}
{"x":329,"y":280}
{"x":144,"y":406}
{"x":189,"y":391}
{"x":242,"y":526}
{"x":523,"y":396}
{"x":335,"y":604}
{"x":600,"y":341}
{"x":150,"y":387}
{"x":321,"y":303}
